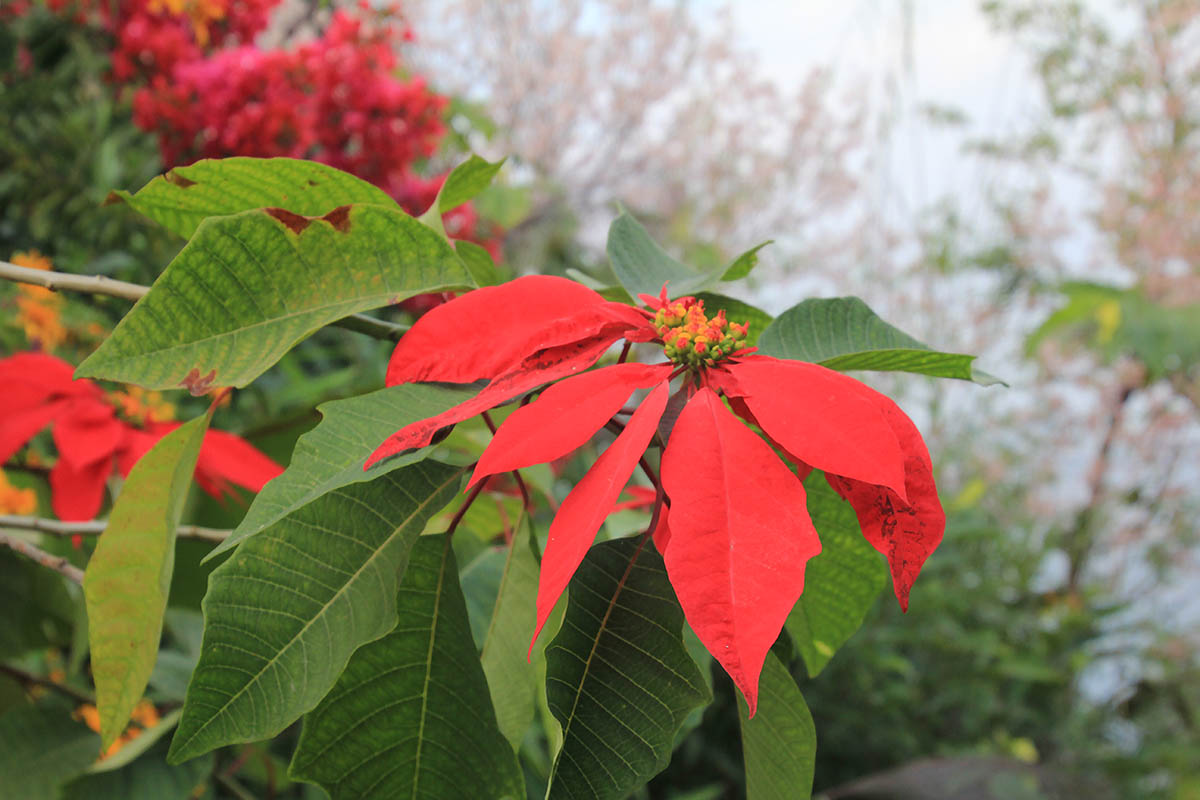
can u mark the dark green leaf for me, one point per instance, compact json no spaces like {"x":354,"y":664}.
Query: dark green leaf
{"x":840,"y":584}
{"x":780,"y":744}
{"x":40,"y":749}
{"x":642,"y":266}
{"x":185,"y":196}
{"x":510,"y":674}
{"x":332,"y":455}
{"x":619,"y":680}
{"x":128,"y":577}
{"x":283,"y":615}
{"x":843,"y":333}
{"x":740,"y":267}
{"x":147,"y":777}
{"x":465,"y":181}
{"x":737,"y":311}
{"x":248,"y":287}
{"x":37,"y":609}
{"x":410,"y":716}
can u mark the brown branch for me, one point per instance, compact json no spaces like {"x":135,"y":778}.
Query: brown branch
{"x":29,"y":679}
{"x":96,"y":526}
{"x":99,"y":284}
{"x":57,"y":563}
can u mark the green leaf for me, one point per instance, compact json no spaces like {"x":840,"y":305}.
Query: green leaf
{"x":331,"y":455}
{"x":619,"y":680}
{"x":840,"y":584}
{"x":283,"y":615}
{"x":510,"y":674}
{"x":147,"y":777}
{"x":248,"y":287}
{"x":779,"y":745}
{"x":128,"y":577}
{"x":40,"y":749}
{"x":479,"y":263}
{"x":843,"y":333}
{"x":737,"y":311}
{"x":186,"y":196}
{"x":465,"y":181}
{"x":741,"y":266}
{"x":642,"y":266}
{"x":135,"y":749}
{"x":38,"y":611}
{"x":411,"y":716}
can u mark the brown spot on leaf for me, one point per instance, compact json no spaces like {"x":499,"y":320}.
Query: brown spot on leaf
{"x":174,"y":177}
{"x":311,"y":182}
{"x":294,"y":222}
{"x":112,"y":199}
{"x":339,"y":218}
{"x":198,"y":385}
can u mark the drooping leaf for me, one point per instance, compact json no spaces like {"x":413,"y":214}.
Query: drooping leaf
{"x":411,"y":715}
{"x":332,"y":455}
{"x":642,"y":266}
{"x":737,"y":311}
{"x":779,"y":745}
{"x":821,"y":417}
{"x":128,"y":577}
{"x":182,"y":198}
{"x":843,"y":333}
{"x":741,"y":266}
{"x":584,"y":509}
{"x":40,"y":750}
{"x":740,"y":536}
{"x":510,"y":675}
{"x":248,"y":287}
{"x":149,"y":776}
{"x":840,"y":584}
{"x":479,"y":263}
{"x":565,"y":416}
{"x":283,"y":615}
{"x":618,"y":678}
{"x":467,"y":180}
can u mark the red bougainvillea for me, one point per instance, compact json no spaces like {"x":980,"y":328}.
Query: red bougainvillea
{"x":730,"y":516}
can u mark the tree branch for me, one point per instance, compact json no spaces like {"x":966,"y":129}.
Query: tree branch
{"x":29,"y":679}
{"x":99,"y":284}
{"x":95,"y":527}
{"x":57,"y":563}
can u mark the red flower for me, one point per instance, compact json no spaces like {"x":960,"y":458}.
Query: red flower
{"x":733,"y":526}
{"x":37,"y":389}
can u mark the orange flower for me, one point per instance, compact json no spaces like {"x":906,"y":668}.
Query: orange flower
{"x":144,"y":716}
{"x":14,"y":500}
{"x":38,"y":307}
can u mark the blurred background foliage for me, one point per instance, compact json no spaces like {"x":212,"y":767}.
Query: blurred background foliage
{"x":1051,"y":646}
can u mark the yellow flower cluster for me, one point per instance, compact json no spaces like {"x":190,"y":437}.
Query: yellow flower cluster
{"x":692,"y":338}
{"x":38,"y":308}
{"x":140,"y":406}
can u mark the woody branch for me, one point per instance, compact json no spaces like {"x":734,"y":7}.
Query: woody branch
{"x":95,"y":527}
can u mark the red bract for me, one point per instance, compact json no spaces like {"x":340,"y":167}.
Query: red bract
{"x":732,"y":522}
{"x":37,"y":390}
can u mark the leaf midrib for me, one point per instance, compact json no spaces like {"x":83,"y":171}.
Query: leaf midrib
{"x":433,"y":626}
{"x":454,"y":476}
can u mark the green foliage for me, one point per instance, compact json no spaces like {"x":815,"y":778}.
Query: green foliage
{"x":40,"y":748}
{"x":842,"y":333}
{"x":185,"y":196}
{"x":411,"y":716}
{"x":128,"y":577}
{"x":620,"y":688}
{"x":247,"y":287}
{"x":779,"y":745}
{"x":38,"y":611}
{"x":840,"y":585}
{"x":284,"y":614}
{"x":642,"y":266}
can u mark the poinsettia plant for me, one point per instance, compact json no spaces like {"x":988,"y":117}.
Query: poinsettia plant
{"x":445,"y":585}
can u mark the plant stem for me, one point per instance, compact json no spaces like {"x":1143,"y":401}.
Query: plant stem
{"x":462,"y":512}
{"x":57,"y":563}
{"x":99,"y":284}
{"x":29,"y":679}
{"x":96,"y":526}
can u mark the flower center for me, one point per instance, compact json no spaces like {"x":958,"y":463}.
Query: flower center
{"x":691,"y":338}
